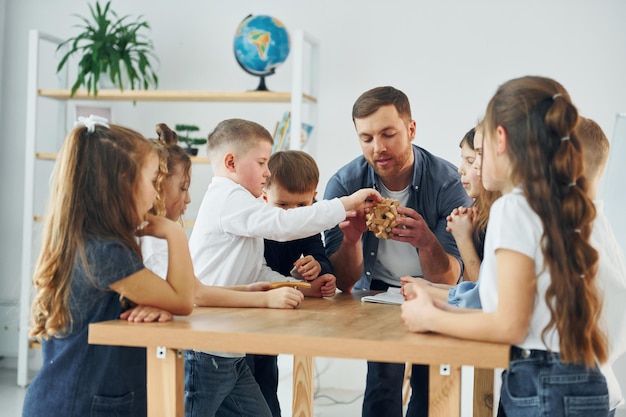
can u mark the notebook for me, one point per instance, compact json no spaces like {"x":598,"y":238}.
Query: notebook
{"x":391,"y":296}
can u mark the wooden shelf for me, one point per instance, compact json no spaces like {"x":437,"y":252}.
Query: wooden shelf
{"x":53,"y":156}
{"x":176,"y":95}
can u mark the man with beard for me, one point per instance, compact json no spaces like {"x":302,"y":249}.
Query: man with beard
{"x":428,"y":188}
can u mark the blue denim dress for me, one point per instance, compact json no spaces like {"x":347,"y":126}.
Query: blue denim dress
{"x":78,"y":379}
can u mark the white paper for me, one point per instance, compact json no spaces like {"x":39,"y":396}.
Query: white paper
{"x":391,"y":296}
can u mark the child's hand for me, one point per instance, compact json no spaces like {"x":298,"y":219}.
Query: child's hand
{"x":258,"y":286}
{"x":308,"y":267}
{"x":323,"y":286}
{"x":146,"y":314}
{"x":354,"y":226}
{"x":416,"y":310}
{"x":158,"y":226}
{"x":460,"y":222}
{"x":359,"y":199}
{"x":413,"y":280}
{"x":409,"y":290}
{"x":284,"y":297}
{"x":408,"y":282}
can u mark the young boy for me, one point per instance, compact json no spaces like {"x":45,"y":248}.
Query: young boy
{"x":226,"y":246}
{"x":611,"y":266}
{"x":293,"y":183}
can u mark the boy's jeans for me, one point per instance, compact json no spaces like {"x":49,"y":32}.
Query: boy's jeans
{"x":265,"y":371}
{"x":537,"y":383}
{"x":221,"y":387}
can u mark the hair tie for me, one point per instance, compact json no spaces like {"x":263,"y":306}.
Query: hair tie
{"x":91,"y":122}
{"x":564,"y":138}
{"x":576,"y":230}
{"x":555,"y":96}
{"x":571,"y":184}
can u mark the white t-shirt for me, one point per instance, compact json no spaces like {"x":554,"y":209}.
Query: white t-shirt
{"x":396,"y":259}
{"x":611,"y":280}
{"x":155,"y":254}
{"x":515,"y":226}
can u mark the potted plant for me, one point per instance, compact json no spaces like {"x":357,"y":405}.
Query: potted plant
{"x":111,"y":47}
{"x":191,"y":142}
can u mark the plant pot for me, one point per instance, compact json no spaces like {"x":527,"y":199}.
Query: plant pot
{"x":192,"y":151}
{"x":105,"y":82}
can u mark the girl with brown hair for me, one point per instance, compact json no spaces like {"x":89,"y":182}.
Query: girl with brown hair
{"x":538,"y":288}
{"x":91,"y":266}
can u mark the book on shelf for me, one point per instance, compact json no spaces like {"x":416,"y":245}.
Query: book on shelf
{"x":282,"y":136}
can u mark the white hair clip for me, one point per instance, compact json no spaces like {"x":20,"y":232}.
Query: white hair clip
{"x":91,"y":122}
{"x":557,"y":95}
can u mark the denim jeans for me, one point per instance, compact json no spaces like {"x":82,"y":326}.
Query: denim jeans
{"x":383,"y":390}
{"x":221,"y":387}
{"x":265,"y":371}
{"x":538,"y":383}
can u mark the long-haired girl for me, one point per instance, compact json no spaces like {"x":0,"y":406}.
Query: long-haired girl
{"x":537,"y":288}
{"x":90,"y":267}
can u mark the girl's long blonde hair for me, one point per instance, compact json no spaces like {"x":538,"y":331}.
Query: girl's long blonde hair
{"x":92,"y":196}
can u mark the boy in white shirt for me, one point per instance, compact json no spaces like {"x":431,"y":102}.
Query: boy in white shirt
{"x":611,"y":266}
{"x":227,"y":248}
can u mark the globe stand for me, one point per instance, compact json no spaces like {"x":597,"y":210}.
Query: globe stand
{"x":261,"y":86}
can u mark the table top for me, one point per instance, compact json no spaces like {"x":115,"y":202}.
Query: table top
{"x":338,"y":327}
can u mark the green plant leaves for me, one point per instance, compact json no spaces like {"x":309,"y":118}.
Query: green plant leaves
{"x":189,"y":128}
{"x":104,"y":42}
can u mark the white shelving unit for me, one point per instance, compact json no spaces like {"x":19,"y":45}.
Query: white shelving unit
{"x":304,"y":90}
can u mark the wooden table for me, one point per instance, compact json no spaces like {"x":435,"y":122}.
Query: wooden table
{"x":339,"y":327}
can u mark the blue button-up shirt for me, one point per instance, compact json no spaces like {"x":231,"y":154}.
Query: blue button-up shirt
{"x":435,"y":191}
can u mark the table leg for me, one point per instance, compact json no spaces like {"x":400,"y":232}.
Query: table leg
{"x":166,"y":382}
{"x":444,"y":391}
{"x":303,"y":373}
{"x":483,"y":392}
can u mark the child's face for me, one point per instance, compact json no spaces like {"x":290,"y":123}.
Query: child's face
{"x":478,"y":149}
{"x":469,"y":175}
{"x":146,"y":193}
{"x":493,"y":173}
{"x":251,"y":169}
{"x":176,"y":193}
{"x":277,"y":196}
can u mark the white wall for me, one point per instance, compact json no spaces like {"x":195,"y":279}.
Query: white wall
{"x":448,"y":56}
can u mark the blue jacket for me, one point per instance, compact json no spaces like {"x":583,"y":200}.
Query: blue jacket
{"x":436,"y":190}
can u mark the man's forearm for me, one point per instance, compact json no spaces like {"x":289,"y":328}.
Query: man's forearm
{"x":439,"y":266}
{"x":348,"y":265}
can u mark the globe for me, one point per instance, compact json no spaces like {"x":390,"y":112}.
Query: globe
{"x":261,"y":45}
